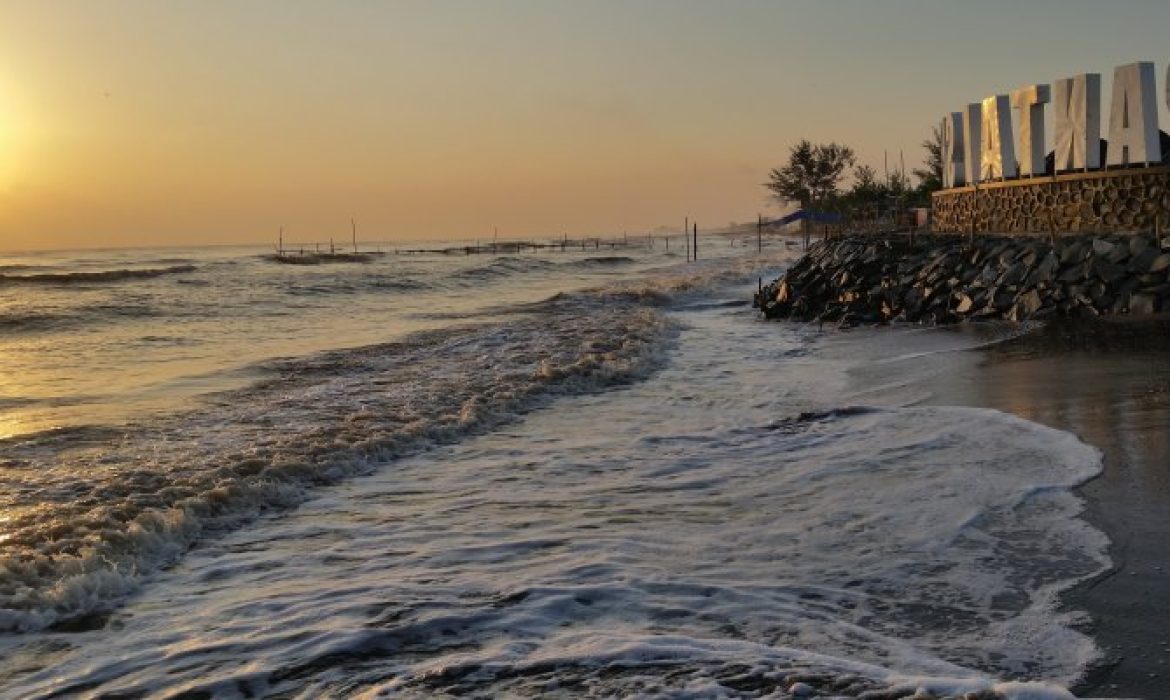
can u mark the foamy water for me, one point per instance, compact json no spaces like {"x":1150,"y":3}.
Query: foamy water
{"x":562,"y":473}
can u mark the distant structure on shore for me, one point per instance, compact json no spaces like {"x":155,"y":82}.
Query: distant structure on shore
{"x":1084,"y":184}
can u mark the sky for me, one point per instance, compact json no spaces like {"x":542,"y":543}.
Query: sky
{"x":182,"y":122}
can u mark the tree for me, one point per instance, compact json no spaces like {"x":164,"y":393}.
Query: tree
{"x":812,"y":173}
{"x":930,"y":177}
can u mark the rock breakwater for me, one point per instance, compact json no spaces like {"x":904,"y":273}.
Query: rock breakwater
{"x":947,"y":279}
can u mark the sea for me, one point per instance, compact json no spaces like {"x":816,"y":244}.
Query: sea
{"x":590,"y":471}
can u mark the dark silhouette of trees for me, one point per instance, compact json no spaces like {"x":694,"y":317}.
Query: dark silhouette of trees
{"x":812,"y":174}
{"x":930,"y":177}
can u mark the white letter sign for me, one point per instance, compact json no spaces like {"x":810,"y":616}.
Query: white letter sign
{"x":971,"y":134}
{"x":1133,"y":116}
{"x":1077,"y":121}
{"x":998,"y":154}
{"x":979,"y":144}
{"x":1030,"y":101}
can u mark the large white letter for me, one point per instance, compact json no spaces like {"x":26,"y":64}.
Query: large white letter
{"x":1077,"y":121}
{"x":953,"y":161}
{"x":998,"y":155}
{"x":1133,"y":116}
{"x":1030,"y":101}
{"x":971,"y":136}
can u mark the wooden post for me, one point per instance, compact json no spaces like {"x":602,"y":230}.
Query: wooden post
{"x":696,"y":246}
{"x":759,"y":233}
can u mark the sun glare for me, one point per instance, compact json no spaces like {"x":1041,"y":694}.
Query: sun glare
{"x":10,"y":141}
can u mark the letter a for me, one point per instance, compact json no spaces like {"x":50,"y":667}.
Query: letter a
{"x":1133,"y":116}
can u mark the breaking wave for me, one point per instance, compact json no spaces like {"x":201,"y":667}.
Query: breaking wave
{"x":75,"y":546}
{"x":66,"y":278}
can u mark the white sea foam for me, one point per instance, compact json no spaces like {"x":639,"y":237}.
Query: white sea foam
{"x":725,"y":525}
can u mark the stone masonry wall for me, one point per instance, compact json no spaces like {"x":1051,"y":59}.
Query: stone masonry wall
{"x":1108,"y":201}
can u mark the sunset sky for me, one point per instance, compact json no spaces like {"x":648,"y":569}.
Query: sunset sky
{"x":163,"y":123}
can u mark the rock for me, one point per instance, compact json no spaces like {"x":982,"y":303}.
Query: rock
{"x":1120,"y":304}
{"x":1014,"y":274}
{"x":1143,"y":304}
{"x":1073,"y":273}
{"x":1120,"y":253}
{"x":946,"y":279}
{"x":1072,"y":253}
{"x":1028,"y":304}
{"x":1046,"y":269}
{"x":800,"y":690}
{"x":1102,"y":247}
{"x":1141,"y":262}
{"x":1107,"y":271}
{"x":1003,"y":300}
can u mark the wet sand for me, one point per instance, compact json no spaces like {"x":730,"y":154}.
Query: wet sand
{"x":1109,"y":383}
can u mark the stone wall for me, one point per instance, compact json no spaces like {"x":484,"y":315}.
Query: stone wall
{"x":1108,"y":201}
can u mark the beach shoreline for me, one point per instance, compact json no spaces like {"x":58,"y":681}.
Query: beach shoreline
{"x":1108,"y":382}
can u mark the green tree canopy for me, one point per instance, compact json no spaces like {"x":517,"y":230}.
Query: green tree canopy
{"x":812,"y":174}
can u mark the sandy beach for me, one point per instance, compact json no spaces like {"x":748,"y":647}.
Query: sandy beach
{"x":1109,"y":383}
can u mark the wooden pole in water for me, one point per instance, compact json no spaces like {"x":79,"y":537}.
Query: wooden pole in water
{"x":759,"y":233}
{"x":695,"y":247}
{"x":353,"y":228}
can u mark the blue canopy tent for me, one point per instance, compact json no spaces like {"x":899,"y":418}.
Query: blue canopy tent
{"x":819,"y":217}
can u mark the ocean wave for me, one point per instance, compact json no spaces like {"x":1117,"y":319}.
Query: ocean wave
{"x":67,"y":278}
{"x":357,"y":284}
{"x":75,"y":546}
{"x":19,"y":322}
{"x":601,"y":261}
{"x":503,"y":267}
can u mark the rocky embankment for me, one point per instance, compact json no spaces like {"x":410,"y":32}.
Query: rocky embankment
{"x":947,"y":279}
